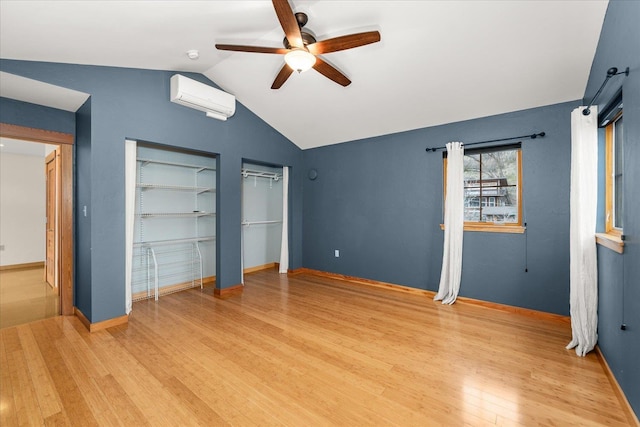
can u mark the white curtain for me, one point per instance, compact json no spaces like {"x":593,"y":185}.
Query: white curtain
{"x":129,"y":204}
{"x":583,"y":206}
{"x":284,"y":246}
{"x":453,"y":226}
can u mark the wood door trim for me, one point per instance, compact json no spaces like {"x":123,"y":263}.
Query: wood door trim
{"x":33,"y":134}
{"x":66,"y":230}
{"x":65,"y":140}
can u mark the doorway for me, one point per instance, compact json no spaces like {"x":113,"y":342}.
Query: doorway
{"x":262,"y":216}
{"x":61,"y":219}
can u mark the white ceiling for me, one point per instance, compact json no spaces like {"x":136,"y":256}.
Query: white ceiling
{"x":438,"y":61}
{"x":36,"y":92}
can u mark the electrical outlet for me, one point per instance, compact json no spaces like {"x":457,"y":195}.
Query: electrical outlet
{"x":337,"y":253}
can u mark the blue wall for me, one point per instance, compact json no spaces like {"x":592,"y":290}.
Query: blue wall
{"x":131,"y":103}
{"x":619,"y":274}
{"x":36,"y":116}
{"x":82,"y":198}
{"x":379,"y":201}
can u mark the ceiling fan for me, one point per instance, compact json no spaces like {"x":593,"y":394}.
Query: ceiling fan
{"x":301,"y":49}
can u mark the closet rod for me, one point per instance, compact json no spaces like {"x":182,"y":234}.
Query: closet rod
{"x":260,"y":174}
{"x":249,"y":223}
{"x":532,"y":136}
{"x":613,"y":71}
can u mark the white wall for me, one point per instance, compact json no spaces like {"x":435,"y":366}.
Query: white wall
{"x":22,"y":208}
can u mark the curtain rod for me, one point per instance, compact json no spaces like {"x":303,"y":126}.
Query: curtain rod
{"x":532,"y":136}
{"x":613,"y":71}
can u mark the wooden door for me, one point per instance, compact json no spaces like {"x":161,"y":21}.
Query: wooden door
{"x":51,"y":179}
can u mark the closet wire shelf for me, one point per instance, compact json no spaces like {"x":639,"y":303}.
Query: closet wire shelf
{"x":198,"y":190}
{"x":164,"y":266}
{"x":194,"y":214}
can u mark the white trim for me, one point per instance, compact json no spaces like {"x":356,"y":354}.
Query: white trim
{"x":130,"y":201}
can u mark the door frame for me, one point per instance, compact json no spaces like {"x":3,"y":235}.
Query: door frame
{"x":65,"y":142}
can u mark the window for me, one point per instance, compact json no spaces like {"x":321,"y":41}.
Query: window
{"x":614,"y":173}
{"x":611,"y":120}
{"x":493,"y":189}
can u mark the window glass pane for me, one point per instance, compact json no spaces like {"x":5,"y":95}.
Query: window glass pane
{"x":617,"y":173}
{"x":472,"y":188}
{"x":500,"y":181}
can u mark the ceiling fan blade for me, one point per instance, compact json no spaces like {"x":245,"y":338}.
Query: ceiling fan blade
{"x":282,"y":77}
{"x":344,"y":42}
{"x":330,"y":72}
{"x":288,"y":22}
{"x":255,"y":49}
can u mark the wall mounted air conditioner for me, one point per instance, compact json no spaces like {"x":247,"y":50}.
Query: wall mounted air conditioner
{"x":190,"y":93}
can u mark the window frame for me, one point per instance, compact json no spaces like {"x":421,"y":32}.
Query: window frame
{"x":493,"y":227}
{"x":609,"y":190}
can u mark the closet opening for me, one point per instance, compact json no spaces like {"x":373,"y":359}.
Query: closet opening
{"x":262,"y":216}
{"x":172,"y":223}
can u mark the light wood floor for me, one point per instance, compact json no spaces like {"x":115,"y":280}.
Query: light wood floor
{"x":302,"y":351}
{"x":26,"y":297}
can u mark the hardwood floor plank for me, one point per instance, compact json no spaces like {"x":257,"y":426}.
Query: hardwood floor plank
{"x":205,"y":414}
{"x":147,"y":394}
{"x":304,"y":350}
{"x":126,"y":410}
{"x":245,"y":398}
{"x":164,"y":368}
{"x":7,"y":403}
{"x":76,"y":337}
{"x":48,"y":399}
{"x":97,"y":402}
{"x":57,"y":420}
{"x":25,"y":400}
{"x":77,"y":411}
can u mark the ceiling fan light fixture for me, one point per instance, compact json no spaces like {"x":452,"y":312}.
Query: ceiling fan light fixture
{"x":300,"y":60}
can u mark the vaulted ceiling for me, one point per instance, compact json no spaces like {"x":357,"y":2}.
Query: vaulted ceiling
{"x":437,"y":61}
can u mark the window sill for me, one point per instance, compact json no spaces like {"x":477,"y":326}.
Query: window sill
{"x":493,"y":228}
{"x":611,"y":241}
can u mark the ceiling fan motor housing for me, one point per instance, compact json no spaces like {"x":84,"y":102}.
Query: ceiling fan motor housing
{"x":307,"y":36}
